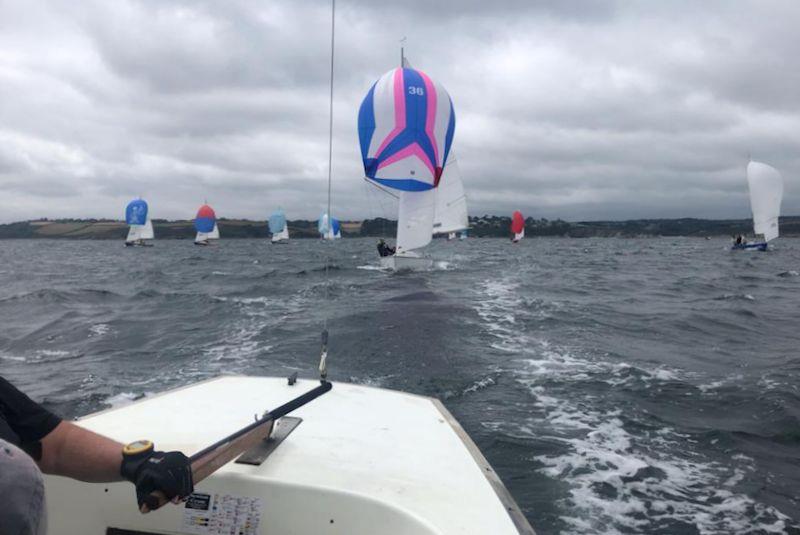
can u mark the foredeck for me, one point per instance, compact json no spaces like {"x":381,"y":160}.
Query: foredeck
{"x":364,"y":460}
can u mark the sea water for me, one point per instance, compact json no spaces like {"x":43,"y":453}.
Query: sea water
{"x":616,"y":385}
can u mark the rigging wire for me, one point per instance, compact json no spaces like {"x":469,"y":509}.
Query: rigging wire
{"x":323,"y":370}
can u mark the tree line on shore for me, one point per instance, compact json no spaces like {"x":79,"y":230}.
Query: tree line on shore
{"x":487,"y":226}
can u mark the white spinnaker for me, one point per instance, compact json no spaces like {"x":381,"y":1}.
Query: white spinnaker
{"x":214,"y":234}
{"x":451,"y":202}
{"x":147,"y":231}
{"x":134,"y":233}
{"x":415,"y":219}
{"x":766,"y":193}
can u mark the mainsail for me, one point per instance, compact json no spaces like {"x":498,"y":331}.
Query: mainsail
{"x":147,"y":231}
{"x":451,"y":202}
{"x":406,"y":125}
{"x":766,"y":192}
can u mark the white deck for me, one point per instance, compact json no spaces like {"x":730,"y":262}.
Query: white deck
{"x":363,"y":461}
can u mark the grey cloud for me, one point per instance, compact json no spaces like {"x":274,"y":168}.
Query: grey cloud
{"x":579,"y":110}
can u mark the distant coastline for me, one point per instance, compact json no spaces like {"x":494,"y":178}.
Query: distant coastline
{"x":481,"y":227}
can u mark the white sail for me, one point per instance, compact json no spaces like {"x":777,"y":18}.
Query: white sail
{"x":201,"y":237}
{"x":134,"y":233}
{"x":766,"y":193}
{"x":282,"y":235}
{"x":415,"y":219}
{"x":147,"y":231}
{"x":519,"y":235}
{"x":451,"y":202}
{"x":214,"y":234}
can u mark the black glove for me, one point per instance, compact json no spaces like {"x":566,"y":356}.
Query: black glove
{"x":157,"y":471}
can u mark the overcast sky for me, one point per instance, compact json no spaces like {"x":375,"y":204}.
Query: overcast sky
{"x":579,"y":110}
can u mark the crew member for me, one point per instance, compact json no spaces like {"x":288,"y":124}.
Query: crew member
{"x":63,"y":448}
{"x":384,"y":249}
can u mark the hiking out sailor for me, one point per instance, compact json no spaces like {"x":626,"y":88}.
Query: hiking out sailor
{"x":34,"y":440}
{"x":739,"y":239}
{"x":384,"y":249}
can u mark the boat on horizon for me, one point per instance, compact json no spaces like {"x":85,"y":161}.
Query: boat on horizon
{"x":765,"y":185}
{"x":326,"y":231}
{"x":140,"y":226}
{"x":278,"y":227}
{"x":517,"y":226}
{"x":205,"y":223}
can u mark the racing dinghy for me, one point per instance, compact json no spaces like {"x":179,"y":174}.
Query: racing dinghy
{"x":405,"y":126}
{"x":141,"y":228}
{"x":766,"y":192}
{"x":332,"y":231}
{"x":356,"y":460}
{"x":278,"y":227}
{"x":205,"y":223}
{"x":517,"y":226}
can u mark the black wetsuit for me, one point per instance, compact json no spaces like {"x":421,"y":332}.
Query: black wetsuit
{"x":23,"y":422}
{"x":385,"y":250}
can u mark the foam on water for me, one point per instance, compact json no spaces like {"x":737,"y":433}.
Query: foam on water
{"x":618,"y":480}
{"x":99,"y":329}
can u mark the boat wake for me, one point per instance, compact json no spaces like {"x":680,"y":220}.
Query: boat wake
{"x":624,"y":470}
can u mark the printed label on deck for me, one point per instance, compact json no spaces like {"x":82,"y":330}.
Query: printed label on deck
{"x":217,"y":514}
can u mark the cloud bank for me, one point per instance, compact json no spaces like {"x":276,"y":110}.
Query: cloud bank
{"x":578,"y":110}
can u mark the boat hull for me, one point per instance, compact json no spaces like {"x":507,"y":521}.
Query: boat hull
{"x":760,"y":246}
{"x":362,"y":461}
{"x":406,"y":262}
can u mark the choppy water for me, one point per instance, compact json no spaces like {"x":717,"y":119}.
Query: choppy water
{"x":617,"y":386}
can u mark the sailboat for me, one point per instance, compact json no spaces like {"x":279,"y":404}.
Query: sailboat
{"x":766,"y":192}
{"x":205,"y":223}
{"x":405,"y":125}
{"x":329,"y":232}
{"x":278,"y":227}
{"x":517,"y":226}
{"x":450,"y":215}
{"x":141,"y":228}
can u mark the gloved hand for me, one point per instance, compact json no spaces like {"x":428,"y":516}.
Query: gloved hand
{"x":168,"y":473}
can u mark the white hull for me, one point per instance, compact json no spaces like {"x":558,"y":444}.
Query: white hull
{"x":362,"y":461}
{"x":406,"y":262}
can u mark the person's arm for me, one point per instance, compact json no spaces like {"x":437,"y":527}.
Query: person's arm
{"x":72,"y":451}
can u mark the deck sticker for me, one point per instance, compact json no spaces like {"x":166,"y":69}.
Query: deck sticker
{"x":213,"y":514}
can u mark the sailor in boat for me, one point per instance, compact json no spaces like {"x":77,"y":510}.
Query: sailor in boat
{"x":29,"y":432}
{"x":384,"y":249}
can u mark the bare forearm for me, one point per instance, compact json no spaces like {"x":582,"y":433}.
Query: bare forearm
{"x":70,"y":450}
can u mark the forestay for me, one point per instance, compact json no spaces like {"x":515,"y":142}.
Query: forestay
{"x":766,"y":193}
